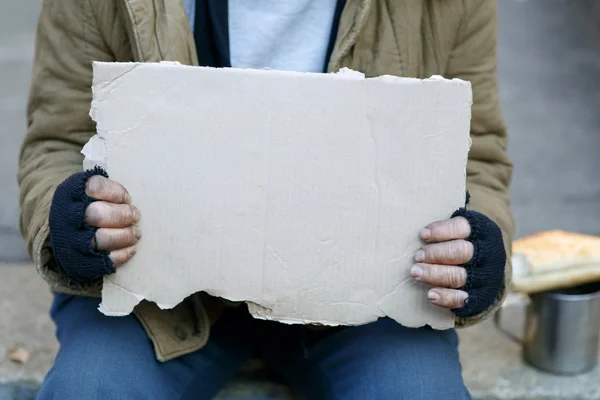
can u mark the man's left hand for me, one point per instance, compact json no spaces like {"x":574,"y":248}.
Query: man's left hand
{"x":438,"y":262}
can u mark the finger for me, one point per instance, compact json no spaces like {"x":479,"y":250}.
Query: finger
{"x":447,"y":298}
{"x":109,"y":239}
{"x":446,"y":276}
{"x":110,"y":215}
{"x":454,"y":252}
{"x":449,"y":229}
{"x":121,"y":256}
{"x":102,"y":188}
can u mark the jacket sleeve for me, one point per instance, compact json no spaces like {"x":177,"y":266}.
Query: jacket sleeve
{"x":489,"y":169}
{"x":58,"y":121}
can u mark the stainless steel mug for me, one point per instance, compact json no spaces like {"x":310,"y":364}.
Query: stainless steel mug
{"x":562,"y":330}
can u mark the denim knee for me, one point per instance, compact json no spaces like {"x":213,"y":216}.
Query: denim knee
{"x":71,"y":384}
{"x":100,"y":357}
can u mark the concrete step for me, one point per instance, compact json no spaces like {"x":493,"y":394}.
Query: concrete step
{"x":492,"y":365}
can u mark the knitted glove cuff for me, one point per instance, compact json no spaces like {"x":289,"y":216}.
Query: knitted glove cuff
{"x":485,"y":271}
{"x":70,"y":236}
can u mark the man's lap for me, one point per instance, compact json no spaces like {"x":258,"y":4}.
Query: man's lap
{"x":105,"y":356}
{"x":378,"y":361}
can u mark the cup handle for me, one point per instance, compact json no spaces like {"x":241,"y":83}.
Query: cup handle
{"x":512,"y":300}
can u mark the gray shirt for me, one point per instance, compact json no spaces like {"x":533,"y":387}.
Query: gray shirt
{"x":279,"y":34}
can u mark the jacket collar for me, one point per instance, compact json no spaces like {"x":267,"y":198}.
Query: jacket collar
{"x":352,"y":22}
{"x":158,"y":27}
{"x":159,"y":30}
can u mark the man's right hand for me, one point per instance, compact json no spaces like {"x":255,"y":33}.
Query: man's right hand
{"x":92,"y":226}
{"x":115,"y":217}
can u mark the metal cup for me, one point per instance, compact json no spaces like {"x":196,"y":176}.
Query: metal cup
{"x":562,"y":330}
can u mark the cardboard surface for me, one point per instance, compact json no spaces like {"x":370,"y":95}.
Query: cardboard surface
{"x":301,"y":194}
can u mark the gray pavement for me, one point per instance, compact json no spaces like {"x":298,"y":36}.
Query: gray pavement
{"x":17,"y":30}
{"x":549,"y":69}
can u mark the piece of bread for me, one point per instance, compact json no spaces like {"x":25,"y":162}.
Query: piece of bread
{"x":555,"y":259}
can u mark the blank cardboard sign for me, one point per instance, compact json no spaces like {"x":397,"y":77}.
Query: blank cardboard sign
{"x":300,"y":194}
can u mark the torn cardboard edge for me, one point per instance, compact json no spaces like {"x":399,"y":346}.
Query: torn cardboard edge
{"x":301,"y":183}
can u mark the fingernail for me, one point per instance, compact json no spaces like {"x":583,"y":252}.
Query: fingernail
{"x":127,"y":198}
{"x":132,"y":250}
{"x":425,"y":234}
{"x":433,"y":296}
{"x":136,"y":214}
{"x":137,"y":232}
{"x":416,"y":272}
{"x":92,"y":185}
{"x":420,"y":256}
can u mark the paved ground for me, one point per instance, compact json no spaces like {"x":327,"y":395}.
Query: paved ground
{"x":549,"y":69}
{"x":549,"y":72}
{"x":17,"y":29}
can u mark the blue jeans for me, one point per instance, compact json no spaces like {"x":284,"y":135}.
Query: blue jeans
{"x":106,"y":358}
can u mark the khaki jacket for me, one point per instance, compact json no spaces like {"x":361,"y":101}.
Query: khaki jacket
{"x":412,"y":38}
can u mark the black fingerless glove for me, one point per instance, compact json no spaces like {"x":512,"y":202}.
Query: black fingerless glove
{"x":485,"y":271}
{"x":70,"y":236}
